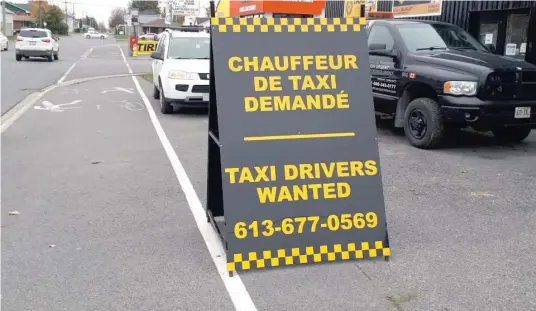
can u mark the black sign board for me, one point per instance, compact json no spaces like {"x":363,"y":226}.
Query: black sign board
{"x":298,"y":166}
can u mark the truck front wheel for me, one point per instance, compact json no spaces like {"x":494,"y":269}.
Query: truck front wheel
{"x":511,"y":134}
{"x":423,"y":124}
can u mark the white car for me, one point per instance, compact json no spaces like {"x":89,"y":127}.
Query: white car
{"x":37,"y":42}
{"x":148,"y":36}
{"x":4,"y":42}
{"x":94,"y":34}
{"x":181,"y":69}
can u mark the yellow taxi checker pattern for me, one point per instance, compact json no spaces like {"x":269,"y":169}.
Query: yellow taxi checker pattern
{"x":307,"y":255}
{"x":236,"y":24}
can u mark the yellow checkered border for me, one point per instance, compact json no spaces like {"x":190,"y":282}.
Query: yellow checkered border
{"x":236,"y":24}
{"x":307,"y":255}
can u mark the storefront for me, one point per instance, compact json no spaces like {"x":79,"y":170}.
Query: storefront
{"x":510,"y":26}
{"x":266,"y":8}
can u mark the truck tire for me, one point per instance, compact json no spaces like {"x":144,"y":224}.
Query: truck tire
{"x":511,"y":134}
{"x":165,"y":104}
{"x":423,"y":123}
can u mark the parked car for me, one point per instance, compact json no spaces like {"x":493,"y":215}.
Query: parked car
{"x":37,"y":42}
{"x":181,"y":66}
{"x":431,"y":76}
{"x":4,"y":42}
{"x":148,"y":36}
{"x":95,"y":34}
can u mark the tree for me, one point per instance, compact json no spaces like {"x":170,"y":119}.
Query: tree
{"x":37,"y":9}
{"x":207,"y":11}
{"x":101,"y":26}
{"x":117,"y":17}
{"x":145,"y":5}
{"x":54,"y":18}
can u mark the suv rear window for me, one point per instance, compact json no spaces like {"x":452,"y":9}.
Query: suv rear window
{"x":33,"y":34}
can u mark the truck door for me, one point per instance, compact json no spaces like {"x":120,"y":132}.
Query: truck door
{"x":385,"y":71}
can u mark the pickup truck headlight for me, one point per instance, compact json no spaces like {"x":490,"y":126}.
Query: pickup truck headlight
{"x":467,"y":88}
{"x":181,"y":75}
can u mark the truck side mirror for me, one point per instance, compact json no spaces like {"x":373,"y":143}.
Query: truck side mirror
{"x":491,"y":48}
{"x":156,"y":55}
{"x":377,"y":46}
{"x":386,"y":53}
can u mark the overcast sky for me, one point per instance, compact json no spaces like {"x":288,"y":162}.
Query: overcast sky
{"x":100,"y":9}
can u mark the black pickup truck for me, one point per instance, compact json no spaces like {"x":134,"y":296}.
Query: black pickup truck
{"x":431,"y":77}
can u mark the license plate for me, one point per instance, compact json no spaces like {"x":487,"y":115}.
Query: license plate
{"x":522,"y":113}
{"x":32,"y":42}
{"x":206,"y":97}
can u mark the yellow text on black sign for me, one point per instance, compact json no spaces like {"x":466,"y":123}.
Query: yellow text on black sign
{"x":305,"y":224}
{"x":147,"y":46}
{"x":320,"y":86}
{"x":293,"y":173}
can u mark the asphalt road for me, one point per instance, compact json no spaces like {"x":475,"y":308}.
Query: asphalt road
{"x":104,"y":223}
{"x":19,"y":79}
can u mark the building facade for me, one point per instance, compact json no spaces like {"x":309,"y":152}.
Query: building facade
{"x":21,"y":15}
{"x":8,"y":31}
{"x":271,"y":8}
{"x":509,"y":26}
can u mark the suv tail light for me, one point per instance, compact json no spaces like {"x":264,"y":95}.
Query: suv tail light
{"x":46,"y":40}
{"x":19,"y":39}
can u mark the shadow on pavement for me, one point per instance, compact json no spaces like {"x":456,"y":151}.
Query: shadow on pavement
{"x":462,"y":140}
{"x":191,"y":112}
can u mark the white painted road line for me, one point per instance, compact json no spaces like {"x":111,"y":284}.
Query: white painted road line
{"x":84,"y":56}
{"x":236,"y":289}
{"x":124,"y":58}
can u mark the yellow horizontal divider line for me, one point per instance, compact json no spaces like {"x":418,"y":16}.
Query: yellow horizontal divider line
{"x":299,"y":136}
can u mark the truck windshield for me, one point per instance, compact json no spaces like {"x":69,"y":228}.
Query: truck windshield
{"x":419,"y":37}
{"x":189,"y":48}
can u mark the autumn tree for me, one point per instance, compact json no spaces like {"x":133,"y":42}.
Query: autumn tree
{"x":37,"y":9}
{"x":145,"y":5}
{"x":117,"y":17}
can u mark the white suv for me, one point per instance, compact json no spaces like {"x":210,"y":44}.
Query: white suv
{"x":37,"y":42}
{"x":181,"y":69}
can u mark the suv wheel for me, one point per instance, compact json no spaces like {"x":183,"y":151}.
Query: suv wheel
{"x":165,"y":104}
{"x":511,"y":134}
{"x":50,"y":57}
{"x":423,"y":124}
{"x":88,"y":36}
{"x":18,"y":57}
{"x":57,"y":55}
{"x":156,"y":92}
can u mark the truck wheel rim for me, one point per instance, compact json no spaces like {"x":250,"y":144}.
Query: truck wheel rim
{"x":417,"y":124}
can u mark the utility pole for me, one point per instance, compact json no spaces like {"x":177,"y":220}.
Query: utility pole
{"x":4,"y":17}
{"x":39,"y":12}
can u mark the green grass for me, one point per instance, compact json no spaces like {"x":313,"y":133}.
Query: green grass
{"x":147,"y":76}
{"x":12,"y":38}
{"x":121,"y":38}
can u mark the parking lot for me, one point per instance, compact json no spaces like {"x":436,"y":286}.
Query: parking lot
{"x":109,"y":192}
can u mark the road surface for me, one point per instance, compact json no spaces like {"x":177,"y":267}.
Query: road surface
{"x":110,"y":191}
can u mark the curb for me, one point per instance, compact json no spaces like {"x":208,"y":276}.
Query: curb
{"x":20,"y":108}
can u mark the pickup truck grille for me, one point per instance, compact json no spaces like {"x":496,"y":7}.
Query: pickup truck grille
{"x":511,"y":85}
